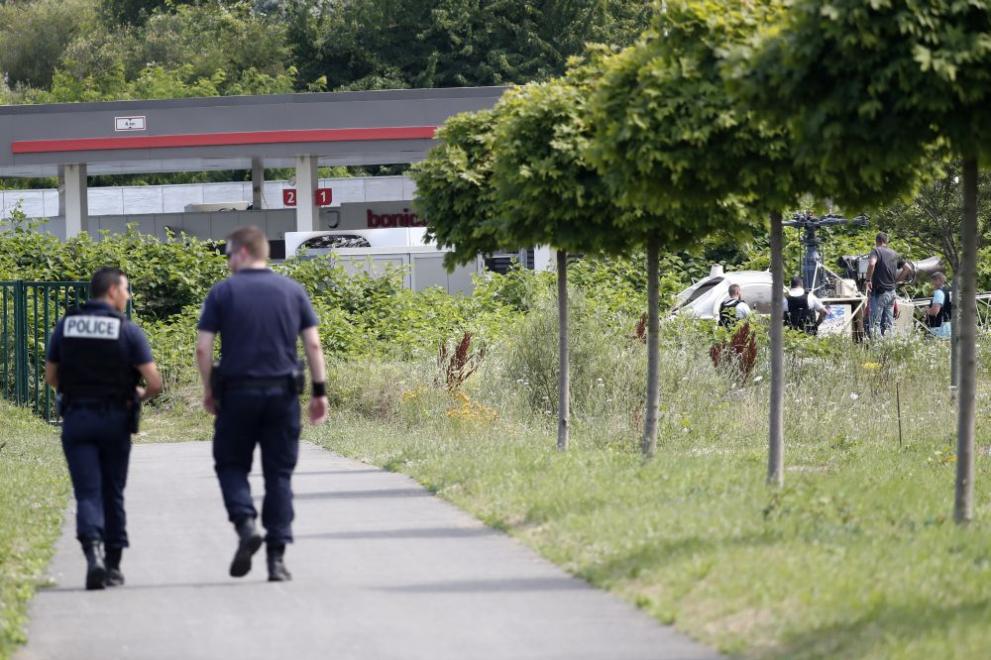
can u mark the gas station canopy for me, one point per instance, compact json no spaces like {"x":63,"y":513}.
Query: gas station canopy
{"x":76,"y":140}
{"x":338,"y":128}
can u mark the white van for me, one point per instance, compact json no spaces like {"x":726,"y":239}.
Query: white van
{"x":374,"y":251}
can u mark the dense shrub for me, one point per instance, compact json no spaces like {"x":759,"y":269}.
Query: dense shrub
{"x":165,"y":276}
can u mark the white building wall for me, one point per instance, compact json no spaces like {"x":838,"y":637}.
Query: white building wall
{"x":150,"y":200}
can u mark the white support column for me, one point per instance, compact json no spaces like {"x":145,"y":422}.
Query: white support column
{"x":307,"y":211}
{"x":257,"y":184}
{"x":61,"y":191}
{"x":76,"y":203}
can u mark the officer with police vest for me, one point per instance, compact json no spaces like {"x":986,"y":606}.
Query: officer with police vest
{"x":96,"y":358}
{"x":803,"y":310}
{"x":254,"y":392}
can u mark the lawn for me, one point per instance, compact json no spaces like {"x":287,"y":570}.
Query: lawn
{"x":34,"y":487}
{"x":857,"y":556}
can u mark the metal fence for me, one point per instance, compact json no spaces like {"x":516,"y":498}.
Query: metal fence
{"x":29,"y":313}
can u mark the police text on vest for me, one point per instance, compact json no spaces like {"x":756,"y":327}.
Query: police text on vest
{"x":92,"y":327}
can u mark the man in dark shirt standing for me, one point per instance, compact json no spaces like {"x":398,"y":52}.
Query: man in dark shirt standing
{"x":883,"y":275}
{"x":258,"y":315}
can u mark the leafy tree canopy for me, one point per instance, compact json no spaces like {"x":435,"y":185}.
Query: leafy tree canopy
{"x":547,"y":191}
{"x":454,"y":188}
{"x":671,"y":141}
{"x":135,"y":12}
{"x":930,"y":222}
{"x":33,"y":36}
{"x":867,"y":87}
{"x":361,"y":44}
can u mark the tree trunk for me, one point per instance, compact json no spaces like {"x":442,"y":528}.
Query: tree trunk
{"x":963,"y":509}
{"x":775,"y":453}
{"x":955,"y":336}
{"x":653,"y":355}
{"x":564,"y":371}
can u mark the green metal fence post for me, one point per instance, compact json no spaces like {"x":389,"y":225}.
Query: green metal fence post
{"x":20,"y":344}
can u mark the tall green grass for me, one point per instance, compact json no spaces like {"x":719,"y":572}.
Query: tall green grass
{"x":34,"y":487}
{"x":857,"y":556}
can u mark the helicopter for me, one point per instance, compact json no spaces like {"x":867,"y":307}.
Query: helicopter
{"x":845,"y":294}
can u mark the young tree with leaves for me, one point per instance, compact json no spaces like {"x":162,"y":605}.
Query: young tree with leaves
{"x":868,"y":87}
{"x":673,"y":144}
{"x":549,"y":194}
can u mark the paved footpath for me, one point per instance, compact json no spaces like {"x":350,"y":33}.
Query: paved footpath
{"x":382,"y":569}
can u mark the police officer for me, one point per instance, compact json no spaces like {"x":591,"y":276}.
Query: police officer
{"x":803,"y":310}
{"x":254,"y":393}
{"x":96,"y":358}
{"x":940,"y":312}
{"x":734,"y":308}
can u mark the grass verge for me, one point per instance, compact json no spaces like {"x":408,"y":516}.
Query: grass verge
{"x":857,"y":556}
{"x":34,"y":486}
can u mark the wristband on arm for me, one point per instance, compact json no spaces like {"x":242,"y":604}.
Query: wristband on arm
{"x":319,"y":389}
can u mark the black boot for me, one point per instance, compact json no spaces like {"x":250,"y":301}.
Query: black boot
{"x":277,"y":571}
{"x":114,"y":577}
{"x":96,"y":570}
{"x":249,"y":540}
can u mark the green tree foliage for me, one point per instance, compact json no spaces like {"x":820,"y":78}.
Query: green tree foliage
{"x":33,"y":36}
{"x":669,"y":139}
{"x":455,"y":192}
{"x":135,"y":12}
{"x":867,"y":87}
{"x":676,"y":146}
{"x":191,"y":50}
{"x":930,"y":222}
{"x":364,"y":44}
{"x":121,"y":49}
{"x":548,"y":192}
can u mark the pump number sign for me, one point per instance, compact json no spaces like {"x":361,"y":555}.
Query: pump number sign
{"x":323,"y":196}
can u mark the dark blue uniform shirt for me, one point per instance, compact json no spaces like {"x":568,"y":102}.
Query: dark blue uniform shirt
{"x":259,"y":314}
{"x":136,"y":346}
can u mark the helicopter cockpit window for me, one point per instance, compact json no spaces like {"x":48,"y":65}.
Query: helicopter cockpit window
{"x":700,"y":291}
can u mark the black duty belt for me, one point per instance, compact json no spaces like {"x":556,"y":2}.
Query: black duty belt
{"x":96,"y":404}
{"x":257,"y":383}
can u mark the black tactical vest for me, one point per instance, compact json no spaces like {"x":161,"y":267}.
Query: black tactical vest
{"x":799,"y":315}
{"x":945,"y":312}
{"x":93,"y":362}
{"x":727,"y":312}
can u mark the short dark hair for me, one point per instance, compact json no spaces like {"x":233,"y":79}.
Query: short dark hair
{"x":938,"y":274}
{"x":797,"y":282}
{"x":734,"y":289}
{"x":881,"y":238}
{"x":103,"y":279}
{"x":252,"y":238}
